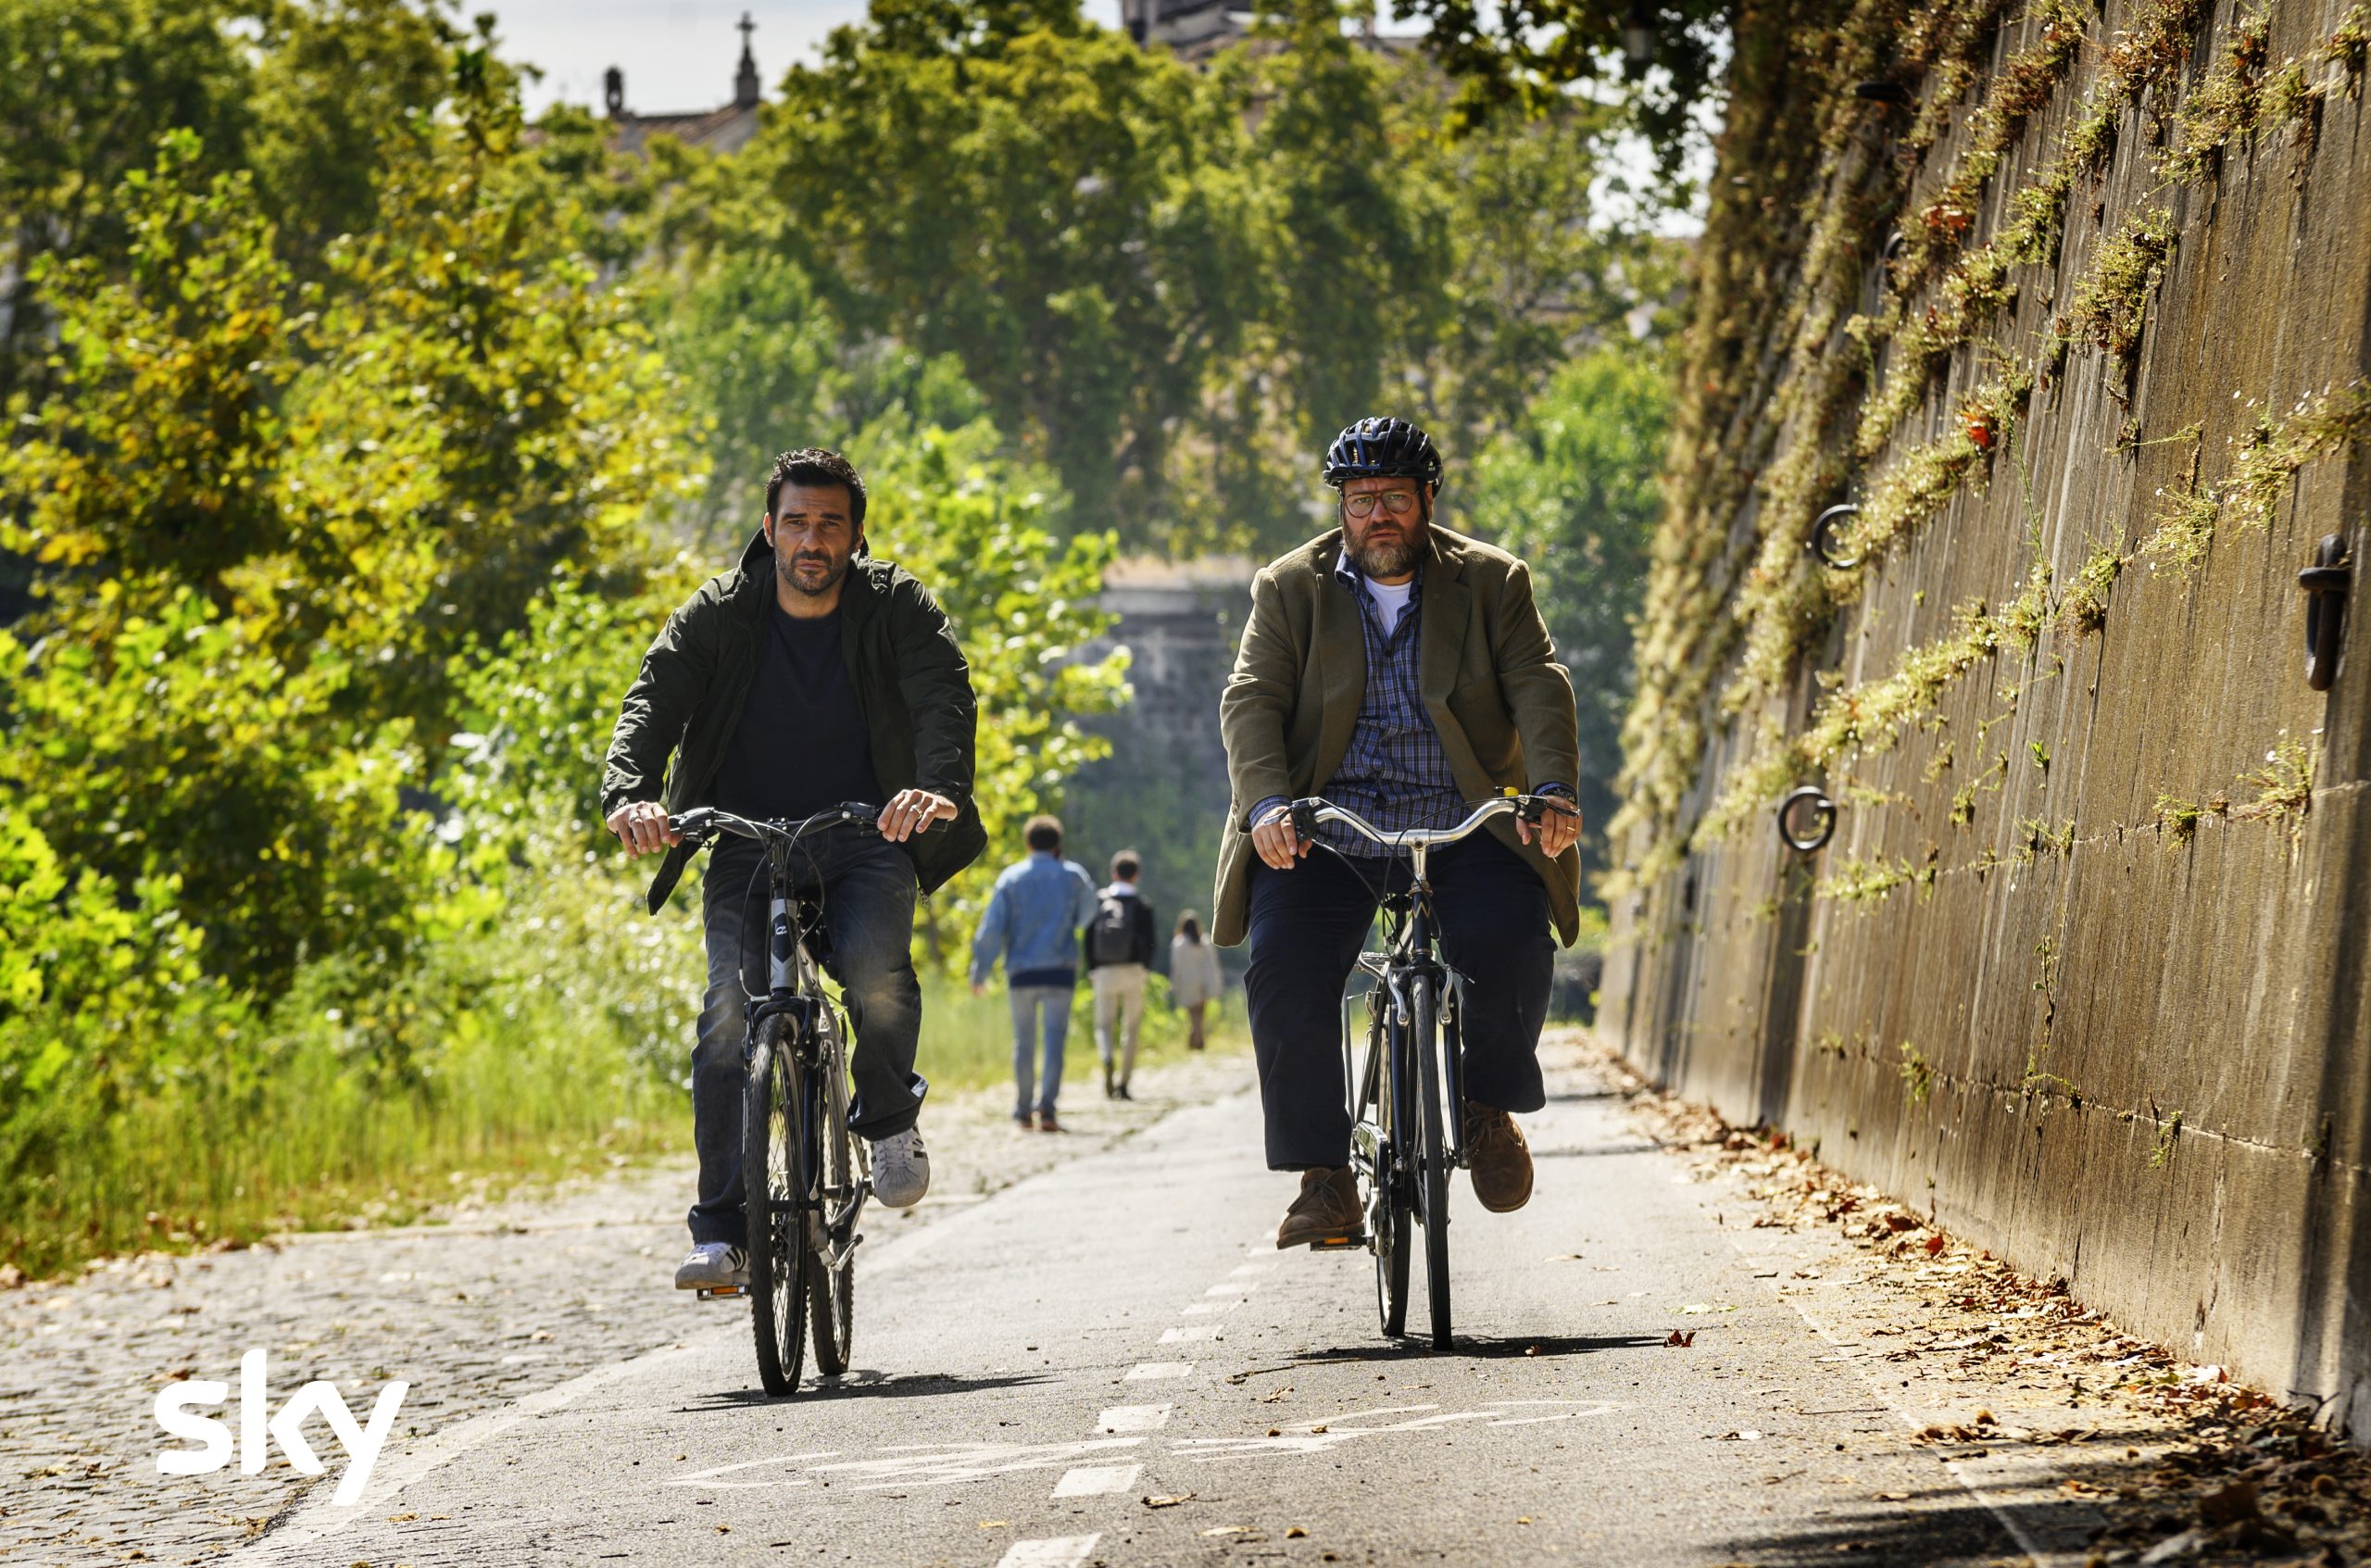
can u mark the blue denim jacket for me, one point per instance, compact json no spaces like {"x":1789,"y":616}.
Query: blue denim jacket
{"x":1040,"y":906}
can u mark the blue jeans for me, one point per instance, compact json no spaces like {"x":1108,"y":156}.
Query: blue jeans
{"x":868,"y":889}
{"x":1030,"y":1004}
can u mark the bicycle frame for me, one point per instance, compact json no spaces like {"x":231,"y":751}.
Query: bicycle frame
{"x":794,"y":986}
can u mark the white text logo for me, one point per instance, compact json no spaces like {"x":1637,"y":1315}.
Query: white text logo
{"x":258,"y":1429}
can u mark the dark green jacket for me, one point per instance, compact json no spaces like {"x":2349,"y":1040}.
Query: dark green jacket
{"x":910,"y":675}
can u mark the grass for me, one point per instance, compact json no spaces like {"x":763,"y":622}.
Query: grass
{"x":967,"y":1040}
{"x":316,"y":1142}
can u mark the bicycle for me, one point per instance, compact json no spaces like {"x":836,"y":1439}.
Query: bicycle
{"x":1408,"y":1105}
{"x":804,"y":1176}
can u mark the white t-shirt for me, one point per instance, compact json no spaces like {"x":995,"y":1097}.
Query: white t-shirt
{"x":1390,"y":600}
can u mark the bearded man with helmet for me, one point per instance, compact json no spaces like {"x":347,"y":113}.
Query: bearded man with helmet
{"x":1401,"y":671}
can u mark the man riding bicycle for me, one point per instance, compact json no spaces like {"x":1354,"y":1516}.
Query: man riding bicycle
{"x":808,"y":676}
{"x":1399,"y":671}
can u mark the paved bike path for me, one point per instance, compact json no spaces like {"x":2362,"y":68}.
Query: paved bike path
{"x":1032,"y":1371}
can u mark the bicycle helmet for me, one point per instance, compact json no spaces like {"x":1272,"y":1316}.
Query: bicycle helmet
{"x":1382,"y":448}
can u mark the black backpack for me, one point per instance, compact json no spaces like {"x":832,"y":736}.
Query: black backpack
{"x":1110,"y":939}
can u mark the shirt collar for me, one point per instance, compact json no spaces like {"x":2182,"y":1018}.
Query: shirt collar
{"x":1352,"y":578}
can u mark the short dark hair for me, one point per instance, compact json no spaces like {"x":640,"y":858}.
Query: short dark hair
{"x":1042,"y":832}
{"x":814,"y":465}
{"x":1125,"y":866}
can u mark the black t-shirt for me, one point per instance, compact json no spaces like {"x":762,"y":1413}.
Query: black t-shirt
{"x":801,"y":745}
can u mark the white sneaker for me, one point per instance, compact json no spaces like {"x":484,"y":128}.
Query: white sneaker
{"x":713,"y":1265}
{"x":901,"y":1168}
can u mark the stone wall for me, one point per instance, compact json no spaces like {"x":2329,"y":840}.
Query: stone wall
{"x":2084,"y":967}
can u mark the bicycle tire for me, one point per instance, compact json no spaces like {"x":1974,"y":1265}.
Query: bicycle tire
{"x":1387,"y":1211}
{"x":773,"y":1145}
{"x":830,"y":1296}
{"x":1432,"y":1156}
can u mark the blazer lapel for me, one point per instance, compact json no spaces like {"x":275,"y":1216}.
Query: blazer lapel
{"x":1441,"y":634}
{"x":1341,"y":665}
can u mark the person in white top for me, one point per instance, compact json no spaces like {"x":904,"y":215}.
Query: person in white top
{"x":1193,"y":975}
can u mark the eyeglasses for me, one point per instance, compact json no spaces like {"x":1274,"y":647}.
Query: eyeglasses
{"x":1399,"y":503}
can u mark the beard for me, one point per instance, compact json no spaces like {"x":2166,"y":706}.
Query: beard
{"x":1388,"y":557}
{"x":786,"y":567}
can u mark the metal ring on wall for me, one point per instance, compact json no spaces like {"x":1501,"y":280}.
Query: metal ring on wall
{"x":1824,"y":543}
{"x":2325,"y":584}
{"x":1823,"y":809}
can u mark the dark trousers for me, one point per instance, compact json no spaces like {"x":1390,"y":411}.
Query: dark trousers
{"x":867,"y":888}
{"x":1306,"y":927}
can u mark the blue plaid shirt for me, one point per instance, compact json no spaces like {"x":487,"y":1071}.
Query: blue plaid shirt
{"x":1395,"y":773}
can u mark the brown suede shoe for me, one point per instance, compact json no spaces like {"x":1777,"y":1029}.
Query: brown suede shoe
{"x":1500,"y":1158}
{"x":1326,"y":1210}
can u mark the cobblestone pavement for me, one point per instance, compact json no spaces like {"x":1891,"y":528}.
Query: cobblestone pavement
{"x":496,"y":1303}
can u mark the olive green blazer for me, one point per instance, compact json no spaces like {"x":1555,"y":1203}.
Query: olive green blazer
{"x":1500,"y":703}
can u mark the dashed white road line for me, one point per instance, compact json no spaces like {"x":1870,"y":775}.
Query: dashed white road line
{"x":1242,"y":1287}
{"x":1200,"y":1308}
{"x":1134,"y":1418}
{"x":1179,"y":1333}
{"x":1055,"y":1551}
{"x":1096,"y":1480}
{"x":1146,"y":1371}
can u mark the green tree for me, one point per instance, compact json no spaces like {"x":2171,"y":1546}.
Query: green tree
{"x":1034,"y":196}
{"x":1575,"y":494}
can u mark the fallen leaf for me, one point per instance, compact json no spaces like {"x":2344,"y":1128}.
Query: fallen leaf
{"x":1295,"y":1533}
{"x":1748,"y":1435}
{"x":993,"y":1524}
{"x":1169,"y":1502}
{"x":1934,"y":1244}
{"x":1229,"y":1530}
{"x":1682,"y":1340}
{"x":2229,"y":1504}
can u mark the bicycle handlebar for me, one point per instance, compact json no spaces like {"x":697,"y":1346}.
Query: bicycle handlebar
{"x":1308,"y":813}
{"x":701,"y":821}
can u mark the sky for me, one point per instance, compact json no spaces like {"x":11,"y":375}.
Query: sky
{"x":678,"y":55}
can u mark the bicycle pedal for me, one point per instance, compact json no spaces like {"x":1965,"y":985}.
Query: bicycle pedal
{"x":1337,"y":1244}
{"x":721,"y":1292}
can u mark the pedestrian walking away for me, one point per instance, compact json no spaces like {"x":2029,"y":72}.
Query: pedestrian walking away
{"x":1032,"y":927}
{"x":1119,"y":961}
{"x":809,"y":675}
{"x":1192,"y":977}
{"x":1399,"y":671}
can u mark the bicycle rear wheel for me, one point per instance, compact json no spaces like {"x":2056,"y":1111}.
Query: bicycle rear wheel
{"x":1387,"y":1194}
{"x":773,"y":1165}
{"x":830,"y":1296}
{"x":1432,"y":1155}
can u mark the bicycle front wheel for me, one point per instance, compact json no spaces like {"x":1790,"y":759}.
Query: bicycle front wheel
{"x":773,"y":1187}
{"x":1432,"y":1154}
{"x":831,"y":1297}
{"x":1387,"y":1191}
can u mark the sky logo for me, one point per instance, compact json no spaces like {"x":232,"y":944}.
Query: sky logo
{"x":259,"y":1428}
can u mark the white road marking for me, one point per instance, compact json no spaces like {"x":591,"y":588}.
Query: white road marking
{"x":1056,"y":1551}
{"x":1243,"y":1288}
{"x":1134,"y":1418}
{"x":1146,"y":1371}
{"x":1242,"y":1269}
{"x":1200,"y":1308}
{"x":1096,"y":1480}
{"x":919,"y":1464}
{"x":1184,"y":1332}
{"x":1317,"y":1436}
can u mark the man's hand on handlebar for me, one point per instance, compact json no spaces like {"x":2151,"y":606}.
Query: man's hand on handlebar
{"x":912,"y":812}
{"x":1560,"y":827}
{"x":643,"y":828}
{"x":1277,"y":839}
